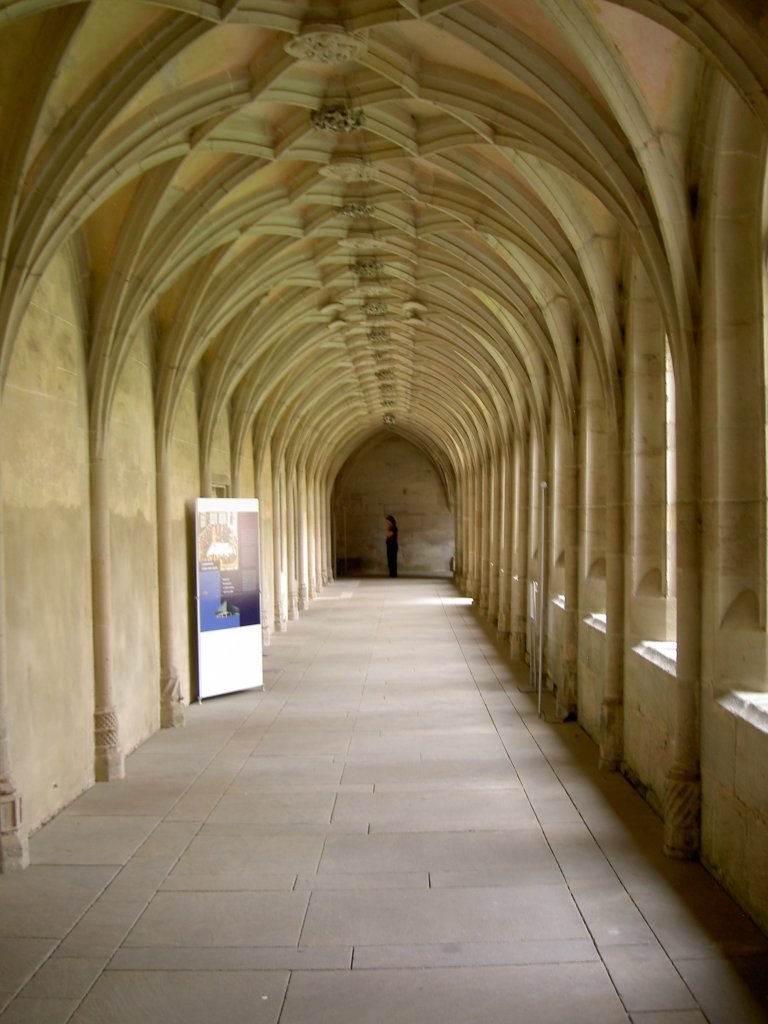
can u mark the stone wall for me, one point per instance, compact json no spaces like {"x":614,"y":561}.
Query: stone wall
{"x":390,"y":476}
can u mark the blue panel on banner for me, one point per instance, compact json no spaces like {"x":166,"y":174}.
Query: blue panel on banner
{"x":217,"y":611}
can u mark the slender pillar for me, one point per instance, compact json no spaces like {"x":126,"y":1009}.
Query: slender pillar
{"x":485,"y":532}
{"x":494,"y":536}
{"x":521,"y":545}
{"x":171,"y":707}
{"x":682,"y":800}
{"x":280,"y":583}
{"x":612,"y":705}
{"x":291,"y":531}
{"x":567,"y":697}
{"x":312,"y":538}
{"x":460,"y":530}
{"x":302,"y":547}
{"x":327,"y":567}
{"x":262,"y":474}
{"x":476,"y":534}
{"x":14,"y":844}
{"x":504,"y":615}
{"x":109,"y":759}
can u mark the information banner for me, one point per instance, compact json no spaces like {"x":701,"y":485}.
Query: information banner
{"x":228,"y":595}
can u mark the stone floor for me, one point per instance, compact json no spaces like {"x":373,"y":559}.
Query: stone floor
{"x":388,"y":834}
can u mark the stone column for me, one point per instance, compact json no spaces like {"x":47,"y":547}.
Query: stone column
{"x":109,"y":758}
{"x":484,"y":534}
{"x":280,"y":582}
{"x":682,"y":798}
{"x":494,"y":536}
{"x":262,"y":474}
{"x":468,"y":529}
{"x":14,"y":844}
{"x":302,"y":554}
{"x":291,"y":529}
{"x":612,"y":704}
{"x":504,"y":617}
{"x":476,"y":535}
{"x":460,"y":565}
{"x":521,"y":546}
{"x":567,"y":695}
{"x":313,"y":520}
{"x":171,"y":707}
{"x":327,"y":568}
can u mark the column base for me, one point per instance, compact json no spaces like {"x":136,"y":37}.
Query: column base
{"x":171,"y":707}
{"x":611,"y":734}
{"x":502,"y":623}
{"x":682,"y":815}
{"x":172,"y":715}
{"x":109,"y":761}
{"x":109,"y":765}
{"x":567,"y":700}
{"x":14,"y":852}
{"x":517,"y":642}
{"x":14,"y":844}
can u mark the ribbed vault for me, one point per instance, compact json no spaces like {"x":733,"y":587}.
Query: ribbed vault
{"x":345,"y":217}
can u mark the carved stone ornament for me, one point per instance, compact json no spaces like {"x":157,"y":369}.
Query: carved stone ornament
{"x":378,"y":334}
{"x":366,"y":267}
{"x":357,"y":210}
{"x":361,"y":243}
{"x":384,"y":374}
{"x":339,"y":118}
{"x":326,"y":44}
{"x":376,"y":307}
{"x":388,"y":420}
{"x":387,"y":389}
{"x":352,"y":168}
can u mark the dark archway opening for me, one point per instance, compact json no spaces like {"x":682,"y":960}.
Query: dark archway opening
{"x":389,"y":475}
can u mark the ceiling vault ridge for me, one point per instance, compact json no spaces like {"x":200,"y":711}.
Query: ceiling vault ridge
{"x":352,"y":216}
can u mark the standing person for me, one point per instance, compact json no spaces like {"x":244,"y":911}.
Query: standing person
{"x":391,"y":544}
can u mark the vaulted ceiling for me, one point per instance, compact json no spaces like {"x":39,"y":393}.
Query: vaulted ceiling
{"x":348,"y":217}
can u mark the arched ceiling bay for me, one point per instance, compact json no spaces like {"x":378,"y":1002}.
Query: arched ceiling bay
{"x":348,"y":217}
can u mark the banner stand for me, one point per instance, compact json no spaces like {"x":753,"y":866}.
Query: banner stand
{"x":229,"y":636}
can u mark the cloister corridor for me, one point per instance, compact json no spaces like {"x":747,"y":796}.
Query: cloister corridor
{"x":388,"y":832}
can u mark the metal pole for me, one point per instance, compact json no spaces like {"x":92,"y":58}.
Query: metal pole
{"x":542,"y":578}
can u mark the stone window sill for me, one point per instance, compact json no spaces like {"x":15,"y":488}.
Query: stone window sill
{"x":661,"y":653}
{"x":749,"y":706}
{"x":598,"y":621}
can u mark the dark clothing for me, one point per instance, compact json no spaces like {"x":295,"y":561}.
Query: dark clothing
{"x":392,"y":553}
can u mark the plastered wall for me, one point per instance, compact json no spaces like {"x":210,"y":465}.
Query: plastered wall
{"x":44,"y":432}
